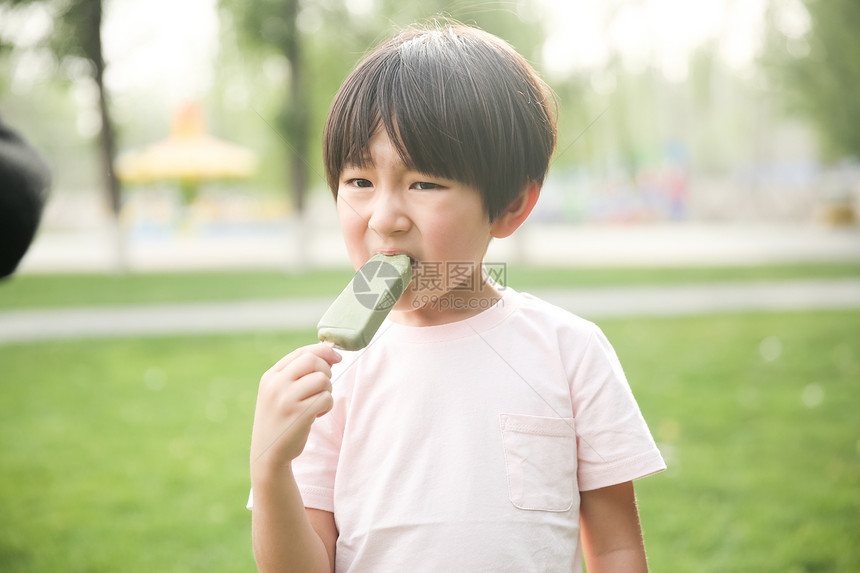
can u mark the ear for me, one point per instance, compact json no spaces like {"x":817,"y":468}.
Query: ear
{"x":517,"y":212}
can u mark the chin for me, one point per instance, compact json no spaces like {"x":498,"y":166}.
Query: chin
{"x":406,"y":303}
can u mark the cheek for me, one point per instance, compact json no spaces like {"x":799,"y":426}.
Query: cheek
{"x":349,"y":221}
{"x":460,"y":238}
{"x":350,"y":213}
{"x":352,"y":227}
{"x":442,"y":241}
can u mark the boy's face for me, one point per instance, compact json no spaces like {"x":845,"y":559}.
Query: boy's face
{"x":441,"y":224}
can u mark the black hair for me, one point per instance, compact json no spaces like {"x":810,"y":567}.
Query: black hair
{"x":456,"y":102}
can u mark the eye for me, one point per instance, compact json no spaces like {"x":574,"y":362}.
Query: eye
{"x":359,"y":182}
{"x":426,"y":186}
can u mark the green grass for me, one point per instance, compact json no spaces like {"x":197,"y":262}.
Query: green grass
{"x":758,"y":416}
{"x":28,"y":291}
{"x":131,"y":455}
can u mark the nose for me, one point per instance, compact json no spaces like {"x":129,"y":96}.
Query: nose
{"x":388,"y":213}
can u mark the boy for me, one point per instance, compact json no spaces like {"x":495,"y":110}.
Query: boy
{"x":482,"y":429}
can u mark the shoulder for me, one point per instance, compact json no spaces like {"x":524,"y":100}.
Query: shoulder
{"x":577,"y":341}
{"x":550,"y":317}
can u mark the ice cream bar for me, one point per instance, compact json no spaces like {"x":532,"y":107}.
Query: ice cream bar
{"x":357,"y":313}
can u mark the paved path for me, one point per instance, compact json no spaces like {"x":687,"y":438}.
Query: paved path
{"x":279,"y":315}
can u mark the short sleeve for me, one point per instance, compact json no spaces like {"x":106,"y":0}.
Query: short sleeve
{"x":614,"y":444}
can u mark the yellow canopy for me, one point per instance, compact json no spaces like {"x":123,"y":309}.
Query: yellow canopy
{"x":189,"y":154}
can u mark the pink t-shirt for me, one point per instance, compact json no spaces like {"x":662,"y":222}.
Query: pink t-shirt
{"x":463,"y":447}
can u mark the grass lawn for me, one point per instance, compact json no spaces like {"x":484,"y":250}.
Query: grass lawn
{"x":66,"y":290}
{"x":131,"y":455}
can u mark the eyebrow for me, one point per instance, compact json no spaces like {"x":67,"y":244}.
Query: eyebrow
{"x":365,"y":159}
{"x":362,"y":159}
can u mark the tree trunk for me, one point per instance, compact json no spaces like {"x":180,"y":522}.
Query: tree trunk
{"x":107,"y":138}
{"x":298,"y":127}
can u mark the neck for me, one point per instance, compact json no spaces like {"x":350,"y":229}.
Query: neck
{"x":455,"y":305}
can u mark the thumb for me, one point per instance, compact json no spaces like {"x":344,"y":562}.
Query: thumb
{"x":326,"y":351}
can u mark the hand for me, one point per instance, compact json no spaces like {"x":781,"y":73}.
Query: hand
{"x":292,"y":394}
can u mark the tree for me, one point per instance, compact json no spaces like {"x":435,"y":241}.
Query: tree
{"x":77,"y":33}
{"x":273,"y":24}
{"x":821,"y":70}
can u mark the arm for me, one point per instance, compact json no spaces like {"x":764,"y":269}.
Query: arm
{"x":611,"y":534}
{"x":286,"y":536}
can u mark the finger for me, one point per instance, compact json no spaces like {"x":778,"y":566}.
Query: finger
{"x":310,"y":385}
{"x":320,"y":349}
{"x":319,"y":404}
{"x":305,"y":364}
{"x":326,"y":352}
{"x":282,"y":363}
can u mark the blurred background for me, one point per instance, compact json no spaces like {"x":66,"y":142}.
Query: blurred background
{"x":718,"y":113}
{"x":702,"y":208}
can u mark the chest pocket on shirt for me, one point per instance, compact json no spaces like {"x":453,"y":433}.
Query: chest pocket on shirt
{"x":540,"y":461}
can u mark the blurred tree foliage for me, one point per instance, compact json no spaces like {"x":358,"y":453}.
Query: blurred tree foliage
{"x":76,"y":35}
{"x":274,"y":23}
{"x":820,"y":71}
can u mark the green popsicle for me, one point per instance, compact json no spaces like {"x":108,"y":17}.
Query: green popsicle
{"x":357,"y":313}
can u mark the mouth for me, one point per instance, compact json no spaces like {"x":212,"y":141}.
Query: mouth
{"x":412,"y":260}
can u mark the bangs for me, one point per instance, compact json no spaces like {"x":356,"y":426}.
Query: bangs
{"x":452,"y":107}
{"x":409,"y":89}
